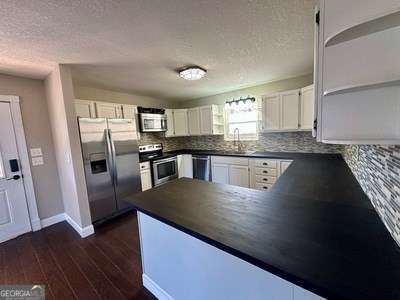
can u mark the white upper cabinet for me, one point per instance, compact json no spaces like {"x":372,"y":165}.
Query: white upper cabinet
{"x":344,"y":19}
{"x":170,"y":122}
{"x":206,"y":120}
{"x":194,"y":121}
{"x":281,"y":111}
{"x":307,"y":107}
{"x":84,"y":108}
{"x":129,"y":111}
{"x":272,"y":112}
{"x":181,"y":122}
{"x":108,"y":110}
{"x":211,"y":120}
{"x":358,"y":72}
{"x":290,"y":110}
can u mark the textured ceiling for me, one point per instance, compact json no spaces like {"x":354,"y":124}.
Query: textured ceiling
{"x":136,"y":45}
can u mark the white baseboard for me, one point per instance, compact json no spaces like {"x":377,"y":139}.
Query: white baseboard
{"x":52,"y":220}
{"x":83,"y":232}
{"x":155,"y":289}
{"x":36,"y":224}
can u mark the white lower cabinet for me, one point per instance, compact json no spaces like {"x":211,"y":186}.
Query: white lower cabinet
{"x":283,"y":165}
{"x":145,"y":175}
{"x":185,"y":166}
{"x":265,"y":172}
{"x":230,"y":170}
{"x":239,"y":175}
{"x":256,"y":173}
{"x":220,"y":173}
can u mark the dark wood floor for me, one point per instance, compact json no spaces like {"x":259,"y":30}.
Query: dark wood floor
{"x":105,"y":265}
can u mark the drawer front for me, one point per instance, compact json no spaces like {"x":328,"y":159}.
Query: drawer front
{"x":144,"y":165}
{"x":265,"y":179}
{"x":263,"y":186}
{"x":266,"y":171}
{"x":230,"y":160}
{"x":266,"y":163}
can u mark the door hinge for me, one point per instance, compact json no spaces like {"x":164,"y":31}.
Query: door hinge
{"x":317,"y":17}
{"x":315,"y":124}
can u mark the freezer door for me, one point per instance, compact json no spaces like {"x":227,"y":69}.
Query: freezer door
{"x":125,"y":151}
{"x":97,"y":161}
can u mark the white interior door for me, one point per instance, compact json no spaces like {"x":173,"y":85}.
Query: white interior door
{"x":14,"y":216}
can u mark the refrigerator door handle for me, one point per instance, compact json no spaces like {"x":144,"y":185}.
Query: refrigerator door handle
{"x":114,"y":160}
{"x":110,"y":157}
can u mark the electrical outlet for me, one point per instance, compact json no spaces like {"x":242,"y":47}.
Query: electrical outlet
{"x":37,"y":161}
{"x":36,"y":152}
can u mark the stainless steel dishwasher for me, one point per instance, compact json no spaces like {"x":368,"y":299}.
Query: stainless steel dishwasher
{"x":202,"y":167}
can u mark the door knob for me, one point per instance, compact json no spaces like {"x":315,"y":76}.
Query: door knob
{"x":15,"y":177}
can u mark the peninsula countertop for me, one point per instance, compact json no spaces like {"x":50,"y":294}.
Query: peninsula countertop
{"x":315,"y":228}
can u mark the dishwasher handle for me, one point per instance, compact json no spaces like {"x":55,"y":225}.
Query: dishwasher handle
{"x":200,"y":157}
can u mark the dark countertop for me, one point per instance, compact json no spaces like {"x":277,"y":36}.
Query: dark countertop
{"x":250,"y":154}
{"x":315,"y":228}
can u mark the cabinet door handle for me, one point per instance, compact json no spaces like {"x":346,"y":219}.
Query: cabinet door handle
{"x":266,"y":172}
{"x":265,"y":179}
{"x":265,"y":164}
{"x":265,"y":187}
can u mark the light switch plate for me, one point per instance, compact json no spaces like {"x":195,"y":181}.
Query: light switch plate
{"x":36,"y":152}
{"x":37,"y":161}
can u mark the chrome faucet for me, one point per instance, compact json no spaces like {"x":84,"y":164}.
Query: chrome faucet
{"x":236,"y":142}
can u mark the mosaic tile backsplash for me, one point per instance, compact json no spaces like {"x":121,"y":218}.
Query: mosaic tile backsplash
{"x":377,"y":169}
{"x":280,"y":142}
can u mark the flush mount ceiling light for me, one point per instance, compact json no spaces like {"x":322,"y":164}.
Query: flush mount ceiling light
{"x":192,"y":73}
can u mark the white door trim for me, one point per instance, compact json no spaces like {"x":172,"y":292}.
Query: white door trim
{"x":24,"y":159}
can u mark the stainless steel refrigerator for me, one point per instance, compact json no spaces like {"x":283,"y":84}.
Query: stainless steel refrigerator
{"x":111,"y":161}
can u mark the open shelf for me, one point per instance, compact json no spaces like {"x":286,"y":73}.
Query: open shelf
{"x":367,"y":27}
{"x":361,"y":87}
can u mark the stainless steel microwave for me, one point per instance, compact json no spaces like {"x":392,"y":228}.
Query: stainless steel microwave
{"x":153,"y":122}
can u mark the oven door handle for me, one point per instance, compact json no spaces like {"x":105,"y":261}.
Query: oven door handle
{"x":157,"y":162}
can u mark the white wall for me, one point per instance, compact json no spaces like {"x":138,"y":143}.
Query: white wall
{"x":36,"y":121}
{"x":255,"y":91}
{"x":59,"y":94}
{"x":99,"y":94}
